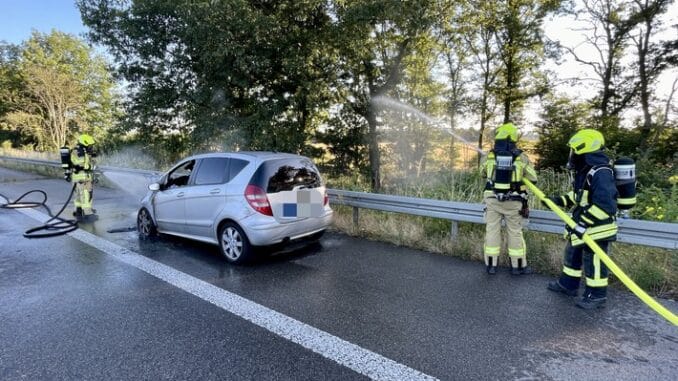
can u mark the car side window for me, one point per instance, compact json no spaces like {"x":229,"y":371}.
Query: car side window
{"x":212,"y":171}
{"x":235,"y":166}
{"x":179,"y":176}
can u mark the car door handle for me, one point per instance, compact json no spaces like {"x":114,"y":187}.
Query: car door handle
{"x":215,"y":191}
{"x":180,"y":194}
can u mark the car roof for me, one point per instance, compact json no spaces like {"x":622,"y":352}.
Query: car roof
{"x":260,"y":155}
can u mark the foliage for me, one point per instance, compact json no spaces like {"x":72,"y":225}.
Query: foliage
{"x":346,"y":146}
{"x":561,"y":118}
{"x":205,"y":70}
{"x":520,"y":43}
{"x":57,"y":87}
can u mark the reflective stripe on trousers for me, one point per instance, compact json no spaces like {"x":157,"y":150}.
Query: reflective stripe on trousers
{"x":595,"y":271}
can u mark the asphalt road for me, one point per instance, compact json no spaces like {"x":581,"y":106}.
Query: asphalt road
{"x":71,"y":311}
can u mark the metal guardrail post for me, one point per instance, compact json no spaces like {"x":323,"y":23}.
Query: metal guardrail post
{"x":356,"y":218}
{"x":454,"y":230}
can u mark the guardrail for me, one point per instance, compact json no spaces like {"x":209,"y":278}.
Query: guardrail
{"x":647,"y":233}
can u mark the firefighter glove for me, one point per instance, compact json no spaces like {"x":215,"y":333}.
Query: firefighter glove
{"x":556,"y":200}
{"x":525,"y":211}
{"x":578,"y":230}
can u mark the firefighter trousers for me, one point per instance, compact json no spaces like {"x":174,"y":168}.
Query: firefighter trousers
{"x":509,"y":211}
{"x":595,"y":271}
{"x":83,"y":193}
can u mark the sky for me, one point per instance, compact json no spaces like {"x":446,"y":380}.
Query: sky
{"x":19,"y":17}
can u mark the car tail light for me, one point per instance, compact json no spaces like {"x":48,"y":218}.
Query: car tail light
{"x":257,"y":199}
{"x":326,"y":198}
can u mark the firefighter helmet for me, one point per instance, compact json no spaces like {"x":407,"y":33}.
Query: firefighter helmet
{"x":586,"y":141}
{"x":507,"y":131}
{"x":86,"y":140}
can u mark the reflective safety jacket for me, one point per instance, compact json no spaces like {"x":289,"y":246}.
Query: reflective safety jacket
{"x":518,"y":165}
{"x":594,"y":199}
{"x":82,"y":164}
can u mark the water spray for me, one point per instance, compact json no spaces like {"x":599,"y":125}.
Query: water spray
{"x":394,"y":104}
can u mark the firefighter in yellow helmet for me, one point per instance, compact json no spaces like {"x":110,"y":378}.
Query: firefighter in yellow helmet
{"x":593,"y":201}
{"x":81,"y":174}
{"x":506,"y":199}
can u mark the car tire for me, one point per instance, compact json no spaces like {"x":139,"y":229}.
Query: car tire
{"x":145,"y":225}
{"x":234,"y":244}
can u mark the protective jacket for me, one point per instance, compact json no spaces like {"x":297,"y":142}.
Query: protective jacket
{"x":511,"y":187}
{"x":82,"y":164}
{"x":505,"y":197}
{"x":594,"y":198}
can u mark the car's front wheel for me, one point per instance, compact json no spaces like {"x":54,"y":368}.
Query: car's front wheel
{"x":145,"y":224}
{"x":235,"y":246}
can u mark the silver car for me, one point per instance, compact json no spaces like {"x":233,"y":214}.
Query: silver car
{"x":237,"y":201}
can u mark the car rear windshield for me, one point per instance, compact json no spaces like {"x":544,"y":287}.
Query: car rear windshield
{"x":286,"y":174}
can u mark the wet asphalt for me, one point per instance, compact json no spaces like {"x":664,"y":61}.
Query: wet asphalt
{"x":69,"y":311}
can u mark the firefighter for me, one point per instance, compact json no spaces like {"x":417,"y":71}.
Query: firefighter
{"x":81,"y":174}
{"x":506,"y":198}
{"x":594,"y":199}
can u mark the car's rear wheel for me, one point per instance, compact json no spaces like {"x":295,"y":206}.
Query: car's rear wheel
{"x":145,"y":224}
{"x":235,"y":246}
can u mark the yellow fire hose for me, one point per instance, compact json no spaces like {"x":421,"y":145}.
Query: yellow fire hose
{"x":647,"y":299}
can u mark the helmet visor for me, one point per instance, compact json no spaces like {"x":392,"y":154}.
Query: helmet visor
{"x":570,"y":161}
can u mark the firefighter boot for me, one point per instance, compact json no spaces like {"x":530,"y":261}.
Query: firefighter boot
{"x":517,"y":268}
{"x":555,"y":286}
{"x":591,"y":302}
{"x":491,"y":267}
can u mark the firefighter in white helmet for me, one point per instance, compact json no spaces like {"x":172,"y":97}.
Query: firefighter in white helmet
{"x":506,"y":199}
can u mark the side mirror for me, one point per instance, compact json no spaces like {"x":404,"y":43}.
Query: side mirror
{"x":154,"y":187}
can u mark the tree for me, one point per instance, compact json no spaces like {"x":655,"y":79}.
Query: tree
{"x":477,"y":29}
{"x":652,"y":59}
{"x":254,"y":71}
{"x":520,"y":43}
{"x":11,"y":87}
{"x":374,"y":39}
{"x":562,"y":117}
{"x":63,"y":88}
{"x":609,"y":24}
{"x":413,"y":137}
{"x":457,"y":63}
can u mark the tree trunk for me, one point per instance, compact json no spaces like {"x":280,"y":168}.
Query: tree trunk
{"x":375,"y":157}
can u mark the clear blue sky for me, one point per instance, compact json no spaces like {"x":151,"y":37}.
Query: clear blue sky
{"x":19,"y":17}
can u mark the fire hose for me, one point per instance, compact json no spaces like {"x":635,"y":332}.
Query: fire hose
{"x":628,"y":282}
{"x":53,"y":227}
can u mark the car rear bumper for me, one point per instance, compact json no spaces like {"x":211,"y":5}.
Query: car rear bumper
{"x":262,"y":230}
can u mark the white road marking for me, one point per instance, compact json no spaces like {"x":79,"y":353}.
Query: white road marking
{"x":352,"y":356}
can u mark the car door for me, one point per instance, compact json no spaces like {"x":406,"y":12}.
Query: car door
{"x":210,"y":194}
{"x":207,"y":196}
{"x":169,"y":203}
